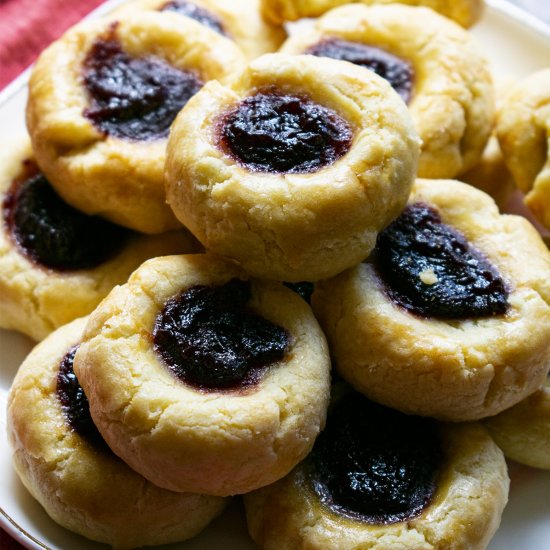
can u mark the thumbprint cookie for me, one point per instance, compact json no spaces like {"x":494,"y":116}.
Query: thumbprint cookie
{"x":294,"y":167}
{"x":433,"y":64}
{"x":523,"y":127}
{"x":523,"y":431}
{"x":56,"y":263}
{"x":464,"y":12}
{"x":101,"y":102}
{"x":238,"y":20}
{"x":449,"y":317}
{"x":382,"y":480}
{"x":203,"y":380}
{"x":65,"y":464}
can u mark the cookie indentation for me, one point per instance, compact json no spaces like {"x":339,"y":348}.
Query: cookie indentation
{"x":210,"y":339}
{"x":52,"y":233}
{"x":74,"y":402}
{"x":275,"y":133}
{"x":430,"y":269}
{"x":198,"y":13}
{"x":398,"y":72}
{"x":134,"y":98}
{"x":375,"y":464}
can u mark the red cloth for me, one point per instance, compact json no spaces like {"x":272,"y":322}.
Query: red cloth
{"x":28,"y":26}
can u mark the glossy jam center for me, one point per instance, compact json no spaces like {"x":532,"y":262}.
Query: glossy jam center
{"x":74,"y":402}
{"x":135,"y":98}
{"x":209,"y":338}
{"x":198,"y":13}
{"x":52,"y":233}
{"x":430,"y":269}
{"x":304,"y":289}
{"x":284,"y":134}
{"x":398,"y":72}
{"x":375,"y":464}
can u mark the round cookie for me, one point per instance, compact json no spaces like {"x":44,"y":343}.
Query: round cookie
{"x":464,"y":12}
{"x":449,"y":317}
{"x":203,"y":380}
{"x":382,"y":480}
{"x":66,"y":466}
{"x":101,"y":144}
{"x":523,"y":127}
{"x":57,"y":264}
{"x":431,"y":62}
{"x":239,"y":20}
{"x":294,"y":167}
{"x":523,"y":431}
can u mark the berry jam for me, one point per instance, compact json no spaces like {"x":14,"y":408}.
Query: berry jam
{"x":284,"y":134}
{"x":198,"y":13}
{"x":209,"y":339}
{"x":134,"y":98}
{"x":431,"y":270}
{"x":74,"y":402}
{"x":398,"y":72}
{"x":375,"y":464}
{"x":53,"y":234}
{"x":304,"y":289}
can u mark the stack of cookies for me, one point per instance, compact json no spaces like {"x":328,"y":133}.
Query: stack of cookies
{"x":279,"y":287}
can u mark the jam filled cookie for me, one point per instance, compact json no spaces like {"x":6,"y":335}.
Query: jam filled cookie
{"x":523,"y":431}
{"x":433,"y":64}
{"x":239,"y":20}
{"x":62,"y":460}
{"x":449,"y":316}
{"x":523,"y":127}
{"x":464,"y":12}
{"x":382,"y":480}
{"x":101,"y":102}
{"x":293,"y":168}
{"x":56,"y":263}
{"x":203,"y":380}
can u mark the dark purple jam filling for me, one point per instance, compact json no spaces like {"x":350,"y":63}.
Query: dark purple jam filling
{"x":198,"y":13}
{"x":398,"y":72}
{"x":284,"y":134}
{"x":375,"y":464}
{"x":304,"y":289}
{"x":134,"y":98}
{"x":74,"y":402}
{"x":460,"y":281}
{"x":209,"y":339}
{"x":53,"y":234}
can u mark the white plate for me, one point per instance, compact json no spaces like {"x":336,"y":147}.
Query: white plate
{"x":517,"y":44}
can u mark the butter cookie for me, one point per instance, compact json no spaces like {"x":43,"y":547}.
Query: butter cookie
{"x":382,"y":480}
{"x":56,"y":263}
{"x":464,"y":12}
{"x":239,"y":20}
{"x":203,"y":380}
{"x":449,"y":317}
{"x":294,"y":167}
{"x":101,"y":102}
{"x":523,"y":129}
{"x":434,"y":65}
{"x":62,"y":460}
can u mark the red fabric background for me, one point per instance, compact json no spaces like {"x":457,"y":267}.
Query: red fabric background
{"x":28,"y":26}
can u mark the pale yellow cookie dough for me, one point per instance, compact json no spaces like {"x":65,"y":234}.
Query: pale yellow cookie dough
{"x":464,"y":12}
{"x":449,"y":369}
{"x":218,"y":442}
{"x":241,"y":21}
{"x":523,"y":129}
{"x":452,"y":103}
{"x":36,"y":300}
{"x":523,"y":431}
{"x":465,"y":512}
{"x":84,"y":488}
{"x":285,"y":226}
{"x":121,"y":180}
